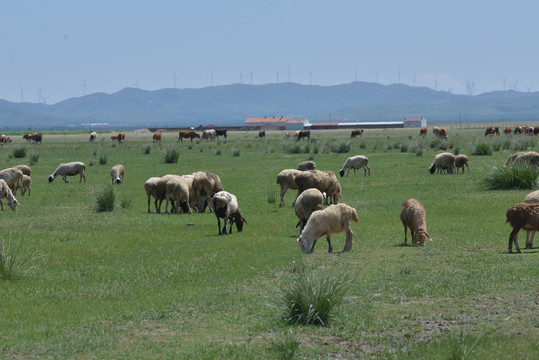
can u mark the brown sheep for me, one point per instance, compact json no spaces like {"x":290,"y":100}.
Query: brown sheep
{"x":413,"y":216}
{"x":325,"y":181}
{"x":521,"y":216}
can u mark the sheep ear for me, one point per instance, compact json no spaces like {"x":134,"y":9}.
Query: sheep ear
{"x":243,"y":219}
{"x":428,"y":236}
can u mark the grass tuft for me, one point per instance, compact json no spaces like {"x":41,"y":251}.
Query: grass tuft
{"x":287,"y":347}
{"x":19,"y":153}
{"x":103,"y":160}
{"x":105,"y":198}
{"x":34,"y":158}
{"x":482,"y":149}
{"x":512,"y":177}
{"x":12,"y":261}
{"x":172,"y":156}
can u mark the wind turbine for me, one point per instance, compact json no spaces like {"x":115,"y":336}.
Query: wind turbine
{"x":84,"y":87}
{"x":398,"y":73}
{"x":39,"y":94}
{"x":241,"y":77}
{"x":311,"y":77}
{"x":174,"y":78}
{"x":22,"y":92}
{"x":515,"y":87}
{"x":251,"y":74}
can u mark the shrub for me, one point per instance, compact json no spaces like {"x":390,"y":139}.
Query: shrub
{"x":147,"y":149}
{"x":104,"y":198}
{"x":12,"y":260}
{"x":236,"y":152}
{"x":19,"y":153}
{"x":339,"y":148}
{"x":271,"y":196}
{"x":419,"y":151}
{"x":218,"y":152}
{"x":482,"y":149}
{"x":287,"y":347}
{"x":404,"y":148}
{"x":34,"y":158}
{"x":172,"y":156}
{"x":103,"y":160}
{"x":516,"y":176}
{"x":309,"y":300}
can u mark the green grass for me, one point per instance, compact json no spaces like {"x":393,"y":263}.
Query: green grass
{"x":127,"y":284}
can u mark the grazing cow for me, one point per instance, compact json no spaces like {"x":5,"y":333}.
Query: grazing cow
{"x":220,"y":132}
{"x":36,"y":138}
{"x":262,"y":134}
{"x":93,"y":136}
{"x":519,"y":130}
{"x":4,"y":139}
{"x":357,"y":132}
{"x":536,"y":130}
{"x":157,"y":137}
{"x":528,"y":130}
{"x":209,"y":134}
{"x":28,"y":137}
{"x":491,"y":130}
{"x":436,"y":130}
{"x":120,"y":137}
{"x":507,"y":131}
{"x":304,"y":134}
{"x":188,"y":135}
{"x":442,"y":133}
{"x":423,"y":131}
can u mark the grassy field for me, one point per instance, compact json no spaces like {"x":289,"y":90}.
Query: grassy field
{"x":128,"y":284}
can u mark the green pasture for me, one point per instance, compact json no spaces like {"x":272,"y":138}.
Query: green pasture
{"x":131,"y":285}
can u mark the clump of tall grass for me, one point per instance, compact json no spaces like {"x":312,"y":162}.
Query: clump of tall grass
{"x":310,"y":300}
{"x":19,"y":153}
{"x":287,"y":347}
{"x":462,"y":346}
{"x":172,"y":156}
{"x":103,"y":160}
{"x":271,"y":196}
{"x":482,"y":148}
{"x":34,"y":158}
{"x":341,"y":147}
{"x":147,"y":149}
{"x":515,"y":177}
{"x":218,"y":152}
{"x":523,"y":143}
{"x":236,"y":152}
{"x":104,"y":198}
{"x":13,"y":261}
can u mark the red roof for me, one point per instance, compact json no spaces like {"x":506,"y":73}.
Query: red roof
{"x":268,"y":119}
{"x":413,"y":119}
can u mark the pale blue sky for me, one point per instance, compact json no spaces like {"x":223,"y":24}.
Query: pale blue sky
{"x":57,"y":46}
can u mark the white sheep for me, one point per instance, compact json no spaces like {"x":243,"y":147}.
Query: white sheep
{"x":26,"y":184}
{"x":306,"y":165}
{"x":355,"y":162}
{"x":226,"y":207}
{"x":13,"y":178}
{"x":117,"y":174}
{"x":177,"y":192}
{"x":205,"y":185}
{"x":309,"y":201}
{"x":26,"y":170}
{"x":69,"y":169}
{"x":441,"y":162}
{"x":5,"y":192}
{"x":332,"y":220}
{"x":151,"y":190}
{"x":532,"y":197}
{"x":461,"y":161}
{"x":287,"y":180}
{"x":413,"y":216}
{"x":325,"y":181}
{"x":521,"y":216}
{"x":189,"y":179}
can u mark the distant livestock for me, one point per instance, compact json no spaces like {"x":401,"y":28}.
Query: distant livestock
{"x":262,"y":134}
{"x":304,"y":134}
{"x":519,"y":130}
{"x":423,"y":131}
{"x":220,"y":132}
{"x":492,"y":130}
{"x":34,"y":137}
{"x":441,"y":162}
{"x":209,"y":134}
{"x":117,"y":174}
{"x":69,"y":169}
{"x":93,"y":136}
{"x":188,"y":135}
{"x":225,"y":206}
{"x":156,"y":138}
{"x":507,"y":131}
{"x":120,"y":137}
{"x":357,"y":132}
{"x":442,"y":133}
{"x":355,"y":162}
{"x":4,"y":139}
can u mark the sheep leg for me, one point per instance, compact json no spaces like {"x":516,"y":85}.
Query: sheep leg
{"x":368,"y":168}
{"x":330,"y":249}
{"x":231,"y":222}
{"x":355,"y":172}
{"x":405,"y":235}
{"x":224,"y":226}
{"x":349,"y":238}
{"x":283,"y":192}
{"x":529,"y":239}
{"x":64,"y":178}
{"x":513,"y":237}
{"x":219,"y":225}
{"x":149,"y":196}
{"x":1,"y":205}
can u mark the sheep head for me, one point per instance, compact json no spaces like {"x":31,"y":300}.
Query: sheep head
{"x":51,"y":178}
{"x":305,"y":245}
{"x":420,"y":237}
{"x":13,"y":203}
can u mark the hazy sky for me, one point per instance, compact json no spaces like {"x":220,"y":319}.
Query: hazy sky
{"x":68,"y":47}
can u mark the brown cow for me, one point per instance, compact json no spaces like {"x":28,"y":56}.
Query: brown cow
{"x":4,"y":139}
{"x":157,"y":137}
{"x":423,"y":131}
{"x":262,"y":134}
{"x":28,"y":137}
{"x":356,"y":132}
{"x":519,"y":130}
{"x":536,"y":130}
{"x":36,"y":138}
{"x":120,"y":137}
{"x":188,"y":135}
{"x":442,"y":133}
{"x":304,"y":133}
{"x":507,"y":131}
{"x":491,"y":130}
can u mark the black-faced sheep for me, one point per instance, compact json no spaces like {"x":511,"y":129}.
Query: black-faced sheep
{"x":306,"y":165}
{"x":225,"y":206}
{"x":325,"y":181}
{"x":117,"y":174}
{"x":5,"y":192}
{"x":69,"y":169}
{"x":413,"y":216}
{"x":461,"y":161}
{"x":287,"y":180}
{"x":177,"y":192}
{"x":13,"y":178}
{"x":205,"y":185}
{"x":309,"y":201}
{"x":521,"y":216}
{"x":332,"y":220}
{"x":441,"y":162}
{"x":355,"y":162}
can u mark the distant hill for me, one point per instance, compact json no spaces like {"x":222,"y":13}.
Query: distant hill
{"x":232,"y":104}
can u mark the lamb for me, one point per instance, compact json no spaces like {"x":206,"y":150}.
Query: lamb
{"x":151,"y":190}
{"x":306,"y":165}
{"x":325,"y":181}
{"x":460,"y":162}
{"x":26,"y":184}
{"x":413,"y":217}
{"x":355,"y":162}
{"x":13,"y":178}
{"x":441,"y":162}
{"x":5,"y":192}
{"x":69,"y":169}
{"x":310,"y":200}
{"x":117,"y":174}
{"x":532,"y":197}
{"x":332,"y":220}
{"x":521,"y":216}
{"x":287,"y":180}
{"x":205,"y":185}
{"x":26,"y":170}
{"x":177,"y":191}
{"x":226,"y":207}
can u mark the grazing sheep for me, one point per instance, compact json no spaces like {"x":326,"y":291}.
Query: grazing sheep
{"x":460,"y":162}
{"x":310,"y":200}
{"x":26,"y":184}
{"x":325,"y":181}
{"x":117,"y":174}
{"x":26,"y":170}
{"x":511,"y":158}
{"x":306,"y":165}
{"x":93,"y":136}
{"x":413,"y":217}
{"x":225,"y":206}
{"x":355,"y":162}
{"x":177,"y":191}
{"x":189,"y":179}
{"x":151,"y":190}
{"x":521,"y":216}
{"x":287,"y":180}
{"x":441,"y":162}
{"x":527,"y":158}
{"x":332,"y":220}
{"x":69,"y":169}
{"x":532,"y":197}
{"x":13,"y":178}
{"x":5,"y":192}
{"x":205,"y":185}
